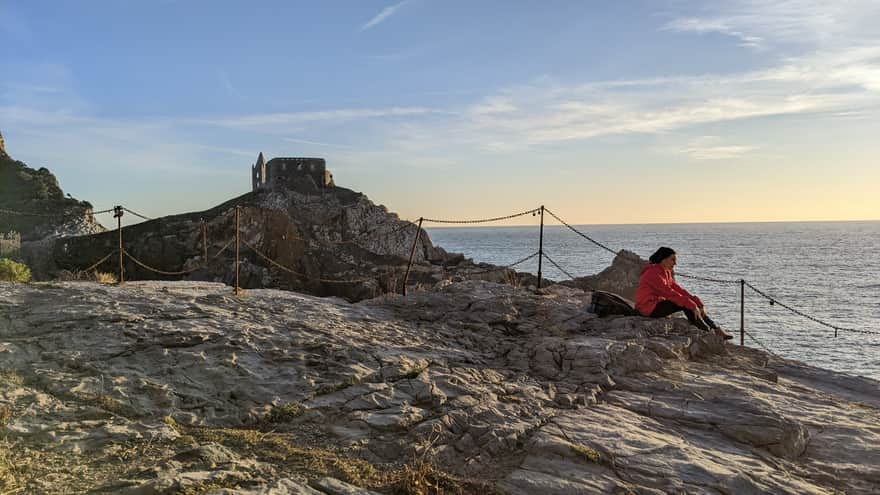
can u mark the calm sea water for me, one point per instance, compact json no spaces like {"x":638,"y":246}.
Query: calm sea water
{"x":830,"y":270}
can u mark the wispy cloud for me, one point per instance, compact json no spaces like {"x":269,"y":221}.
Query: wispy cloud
{"x":382,"y":16}
{"x":713,"y":148}
{"x":280,"y":121}
{"x":713,"y":25}
{"x":318,"y":143}
{"x":802,"y":22}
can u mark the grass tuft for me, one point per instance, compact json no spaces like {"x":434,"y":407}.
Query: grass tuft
{"x":283,"y":413}
{"x":588,"y":454}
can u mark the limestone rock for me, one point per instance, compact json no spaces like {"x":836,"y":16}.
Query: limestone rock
{"x":163,"y":387}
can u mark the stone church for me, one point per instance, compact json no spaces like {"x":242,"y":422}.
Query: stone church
{"x":291,"y":173}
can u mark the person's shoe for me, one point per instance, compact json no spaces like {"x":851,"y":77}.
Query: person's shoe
{"x":721,"y":333}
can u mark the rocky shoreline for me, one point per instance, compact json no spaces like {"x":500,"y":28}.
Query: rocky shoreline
{"x":181,"y":387}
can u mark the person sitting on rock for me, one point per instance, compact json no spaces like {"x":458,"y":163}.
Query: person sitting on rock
{"x":659,"y":295}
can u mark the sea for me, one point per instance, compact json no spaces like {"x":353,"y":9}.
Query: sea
{"x":829,"y":271}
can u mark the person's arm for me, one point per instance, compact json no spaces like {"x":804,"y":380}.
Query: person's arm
{"x":687,"y":294}
{"x":658,"y":285}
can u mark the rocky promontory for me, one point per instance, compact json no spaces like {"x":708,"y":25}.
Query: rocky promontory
{"x":333,"y":243}
{"x":168,"y":387}
{"x":33,"y":205}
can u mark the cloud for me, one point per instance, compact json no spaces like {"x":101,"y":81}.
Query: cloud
{"x":758,"y":23}
{"x":702,"y":26}
{"x":711,"y":148}
{"x":382,"y":16}
{"x":280,"y":121}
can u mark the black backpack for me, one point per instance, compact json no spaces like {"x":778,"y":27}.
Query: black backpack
{"x":609,"y":304}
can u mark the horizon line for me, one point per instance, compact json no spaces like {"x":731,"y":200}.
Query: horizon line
{"x":472,"y":226}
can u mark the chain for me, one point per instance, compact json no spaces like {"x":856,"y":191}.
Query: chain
{"x":156,"y":270}
{"x":812,"y":318}
{"x":558,"y":267}
{"x":294,"y":272}
{"x":760,"y":344}
{"x":105,"y":258}
{"x":181,"y":272}
{"x":483,"y":220}
{"x":506,"y":267}
{"x":706,"y":279}
{"x":578,"y":232}
{"x":136,"y":214}
{"x":47,"y":215}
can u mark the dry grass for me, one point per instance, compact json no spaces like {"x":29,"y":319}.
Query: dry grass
{"x":9,"y":475}
{"x":419,"y":477}
{"x":5,"y":415}
{"x":588,"y":454}
{"x":81,"y":276}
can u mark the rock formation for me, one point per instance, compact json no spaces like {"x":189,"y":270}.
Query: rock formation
{"x":33,"y":204}
{"x":338,"y":243}
{"x":622,"y":277}
{"x":181,"y":387}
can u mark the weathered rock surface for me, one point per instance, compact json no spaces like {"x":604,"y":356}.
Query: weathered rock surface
{"x":148,"y":388}
{"x":336,"y":244}
{"x":622,"y":277}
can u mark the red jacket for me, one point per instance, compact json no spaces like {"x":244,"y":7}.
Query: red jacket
{"x":656,"y":284}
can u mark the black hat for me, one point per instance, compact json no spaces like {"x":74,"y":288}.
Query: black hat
{"x":661,"y":254}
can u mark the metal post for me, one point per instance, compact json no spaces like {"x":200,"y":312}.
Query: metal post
{"x":412,"y":253}
{"x":540,"y":246}
{"x":204,"y":241}
{"x":237,"y":246}
{"x":742,"y":312}
{"x":117,"y":213}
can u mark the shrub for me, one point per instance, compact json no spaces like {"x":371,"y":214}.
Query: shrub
{"x":11,"y":271}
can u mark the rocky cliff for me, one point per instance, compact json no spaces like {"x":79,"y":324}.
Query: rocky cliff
{"x":476,"y":387}
{"x":33,"y":204}
{"x":338,"y":243}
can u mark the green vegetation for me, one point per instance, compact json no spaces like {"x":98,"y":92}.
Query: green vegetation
{"x":11,"y":271}
{"x":36,"y":192}
{"x":283,"y":413}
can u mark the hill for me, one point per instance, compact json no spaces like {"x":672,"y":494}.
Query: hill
{"x":33,"y":204}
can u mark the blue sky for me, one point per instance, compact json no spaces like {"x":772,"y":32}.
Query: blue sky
{"x":606,"y":112}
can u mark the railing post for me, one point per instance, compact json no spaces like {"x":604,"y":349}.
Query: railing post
{"x":237,"y":289}
{"x":742,"y":312}
{"x":412,"y":253}
{"x":204,"y":241}
{"x":117,"y":214}
{"x":540,"y":246}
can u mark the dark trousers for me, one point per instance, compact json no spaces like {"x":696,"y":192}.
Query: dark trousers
{"x":666,"y":308}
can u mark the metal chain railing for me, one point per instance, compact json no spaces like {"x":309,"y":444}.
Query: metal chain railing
{"x":578,"y":232}
{"x":548,"y":258}
{"x":505,"y":267}
{"x":98,"y":263}
{"x":179,"y":272}
{"x":484,"y":220}
{"x":706,"y":279}
{"x":836,"y":328}
{"x":406,"y":225}
{"x":136,"y":214}
{"x":48,"y":215}
{"x":302,"y":275}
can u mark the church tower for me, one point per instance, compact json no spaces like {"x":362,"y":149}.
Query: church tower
{"x":258,"y":172}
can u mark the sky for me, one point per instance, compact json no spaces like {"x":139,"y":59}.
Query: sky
{"x":605,"y":112}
